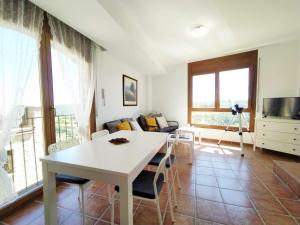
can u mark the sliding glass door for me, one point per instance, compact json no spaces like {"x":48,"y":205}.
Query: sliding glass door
{"x":42,"y":80}
{"x":20,"y":73}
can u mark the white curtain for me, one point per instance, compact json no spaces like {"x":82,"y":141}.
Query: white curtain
{"x":74,"y":54}
{"x":20,"y":26}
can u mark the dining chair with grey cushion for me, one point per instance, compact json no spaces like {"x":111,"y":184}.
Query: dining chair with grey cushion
{"x":147,"y":186}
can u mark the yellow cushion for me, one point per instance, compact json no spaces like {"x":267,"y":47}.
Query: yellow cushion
{"x":151,"y":123}
{"x":152,"y":129}
{"x":124,"y":126}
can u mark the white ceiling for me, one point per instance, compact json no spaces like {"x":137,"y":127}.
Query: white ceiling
{"x":153,"y":34}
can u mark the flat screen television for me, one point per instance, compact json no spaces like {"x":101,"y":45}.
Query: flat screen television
{"x":288,"y":107}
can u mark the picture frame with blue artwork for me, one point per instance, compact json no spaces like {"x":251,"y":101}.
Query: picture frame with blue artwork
{"x":130,"y":91}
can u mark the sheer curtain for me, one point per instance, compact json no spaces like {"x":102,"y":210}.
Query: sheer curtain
{"x":20,"y":26}
{"x":75,"y":56}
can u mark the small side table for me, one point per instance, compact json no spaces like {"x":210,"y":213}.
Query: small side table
{"x":187,"y":138}
{"x":194,"y":130}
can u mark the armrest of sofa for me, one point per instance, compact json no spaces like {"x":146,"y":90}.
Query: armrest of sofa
{"x":173,"y":123}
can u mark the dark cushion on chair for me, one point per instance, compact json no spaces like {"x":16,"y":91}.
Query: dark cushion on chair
{"x":143,"y":185}
{"x":112,"y":126}
{"x":168,"y":129}
{"x":155,"y":161}
{"x":71,"y":179}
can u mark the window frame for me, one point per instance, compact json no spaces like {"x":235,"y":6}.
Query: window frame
{"x":217,"y":65}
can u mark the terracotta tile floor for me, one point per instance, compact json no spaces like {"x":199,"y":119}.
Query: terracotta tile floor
{"x":219,"y":188}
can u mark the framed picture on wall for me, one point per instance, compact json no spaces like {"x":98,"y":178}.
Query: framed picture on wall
{"x":130,"y":94}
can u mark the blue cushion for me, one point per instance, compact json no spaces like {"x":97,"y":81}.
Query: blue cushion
{"x":142,"y":186}
{"x":71,"y":179}
{"x":158,"y":157}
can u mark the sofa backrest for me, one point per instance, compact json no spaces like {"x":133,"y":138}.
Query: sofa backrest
{"x":111,"y":126}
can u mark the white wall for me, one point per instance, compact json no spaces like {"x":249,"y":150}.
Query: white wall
{"x":110,"y":79}
{"x":279,"y":76}
{"x":279,"y":71}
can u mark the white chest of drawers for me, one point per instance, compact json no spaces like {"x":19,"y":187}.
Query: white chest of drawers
{"x":281,"y":135}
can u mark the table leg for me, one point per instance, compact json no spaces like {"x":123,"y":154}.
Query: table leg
{"x":191,"y":152}
{"x":49,"y":192}
{"x":199,"y":138}
{"x":126,"y":202}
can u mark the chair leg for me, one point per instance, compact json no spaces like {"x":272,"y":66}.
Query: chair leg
{"x":170,"y":202}
{"x":176,"y":170}
{"x":112,"y":219}
{"x":178,"y":179}
{"x":172,"y":186}
{"x":79,"y":193}
{"x":109,"y":193}
{"x":159,"y":212}
{"x":82,"y":204}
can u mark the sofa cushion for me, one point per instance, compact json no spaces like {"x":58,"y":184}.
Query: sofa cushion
{"x":112,"y":126}
{"x":141,"y":120}
{"x":162,"y":122}
{"x":135,"y":125}
{"x":151,"y":123}
{"x":124,"y":125}
{"x":169,"y":129}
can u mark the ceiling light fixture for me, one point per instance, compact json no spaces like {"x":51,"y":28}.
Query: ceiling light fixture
{"x":199,"y":30}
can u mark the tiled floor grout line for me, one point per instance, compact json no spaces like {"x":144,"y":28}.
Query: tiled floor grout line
{"x":222,"y":198}
{"x":255,"y":209}
{"x":100,"y":218}
{"x":196,"y":204}
{"x":276,"y":197}
{"x":252,"y":203}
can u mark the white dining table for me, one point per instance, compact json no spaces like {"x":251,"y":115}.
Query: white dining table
{"x":100,"y":160}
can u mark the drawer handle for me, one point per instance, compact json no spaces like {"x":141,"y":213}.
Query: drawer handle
{"x":264,"y":135}
{"x":295,"y":128}
{"x":262,"y":143}
{"x":295,"y":139}
{"x":264,"y":125}
{"x":294,"y":149}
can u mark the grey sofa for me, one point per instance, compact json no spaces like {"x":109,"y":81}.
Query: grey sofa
{"x":111,"y":126}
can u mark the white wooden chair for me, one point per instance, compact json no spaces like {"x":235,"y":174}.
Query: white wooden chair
{"x":99,"y":133}
{"x":170,"y":164}
{"x":96,"y":135}
{"x":81,"y":182}
{"x":147,"y":186}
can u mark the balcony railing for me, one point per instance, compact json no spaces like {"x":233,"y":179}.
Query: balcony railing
{"x":66,"y":127}
{"x":27,"y":146}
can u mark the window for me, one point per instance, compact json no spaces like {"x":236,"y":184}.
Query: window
{"x":216,"y":85}
{"x":204,"y":91}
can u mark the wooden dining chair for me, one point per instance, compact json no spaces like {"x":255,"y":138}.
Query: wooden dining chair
{"x":96,"y":135}
{"x":147,"y":186}
{"x":81,"y":182}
